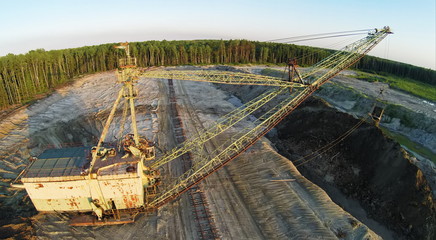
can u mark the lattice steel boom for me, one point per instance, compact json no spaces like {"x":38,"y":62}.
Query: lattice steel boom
{"x":314,"y":78}
{"x":220,"y":126}
{"x":223,"y":77}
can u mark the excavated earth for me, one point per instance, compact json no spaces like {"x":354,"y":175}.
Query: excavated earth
{"x":366,"y":166}
{"x":368,"y":174}
{"x":259,"y":195}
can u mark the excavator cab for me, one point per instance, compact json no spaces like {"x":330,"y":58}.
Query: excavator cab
{"x":377,"y":114}
{"x":378,"y":109}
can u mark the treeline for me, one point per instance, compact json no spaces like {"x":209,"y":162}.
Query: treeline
{"x":24,"y":76}
{"x":380,"y":66}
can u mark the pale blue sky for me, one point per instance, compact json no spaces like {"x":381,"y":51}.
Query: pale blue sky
{"x":56,"y":24}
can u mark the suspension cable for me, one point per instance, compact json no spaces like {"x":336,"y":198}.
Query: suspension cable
{"x":316,"y":38}
{"x":316,"y":35}
{"x":325,"y":148}
{"x":307,"y":55}
{"x":330,"y":46}
{"x":311,"y":156}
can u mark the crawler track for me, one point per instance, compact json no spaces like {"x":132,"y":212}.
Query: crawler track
{"x":202,"y":215}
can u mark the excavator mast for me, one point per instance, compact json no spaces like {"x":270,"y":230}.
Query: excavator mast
{"x":127,"y":74}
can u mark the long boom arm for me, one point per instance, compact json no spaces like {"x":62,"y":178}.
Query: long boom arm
{"x":342,"y":59}
{"x":220,"y":126}
{"x":223,"y":77}
{"x":243,"y":140}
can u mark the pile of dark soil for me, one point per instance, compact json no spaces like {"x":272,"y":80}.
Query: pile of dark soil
{"x":366,"y":166}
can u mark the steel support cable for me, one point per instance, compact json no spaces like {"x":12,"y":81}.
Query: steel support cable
{"x":317,"y":38}
{"x":319,"y":34}
{"x":357,"y":52}
{"x":335,"y":142}
{"x":325,"y":47}
{"x":219,"y":126}
{"x":329,"y":61}
{"x":312,"y":54}
{"x":329,"y":66}
{"x":328,"y":146}
{"x":338,"y":43}
{"x":358,"y":49}
{"x":332,"y":61}
{"x":326,"y":63}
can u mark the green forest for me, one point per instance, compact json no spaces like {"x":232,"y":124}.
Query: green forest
{"x":23,"y":77}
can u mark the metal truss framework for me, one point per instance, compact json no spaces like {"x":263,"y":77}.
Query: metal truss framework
{"x":219,"y":127}
{"x":314,"y":77}
{"x":223,"y":77}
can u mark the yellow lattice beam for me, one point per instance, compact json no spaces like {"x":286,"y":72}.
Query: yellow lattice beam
{"x":220,"y":126}
{"x":223,"y":77}
{"x":244,"y":139}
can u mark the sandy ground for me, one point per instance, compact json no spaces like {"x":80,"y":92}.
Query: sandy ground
{"x":244,"y":199}
{"x":390,"y":95}
{"x":245,"y":191}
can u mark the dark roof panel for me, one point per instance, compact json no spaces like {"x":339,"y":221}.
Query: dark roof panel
{"x":58,"y":162}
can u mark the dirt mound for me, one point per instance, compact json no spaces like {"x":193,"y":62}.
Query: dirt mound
{"x":366,"y":166}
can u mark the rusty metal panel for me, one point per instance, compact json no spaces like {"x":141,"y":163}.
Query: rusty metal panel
{"x":63,"y":205}
{"x":126,"y":193}
{"x":60,"y":196}
{"x":55,"y":182}
{"x":77,"y":195}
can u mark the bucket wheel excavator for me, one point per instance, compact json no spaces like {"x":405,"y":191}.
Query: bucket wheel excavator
{"x":124,"y":176}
